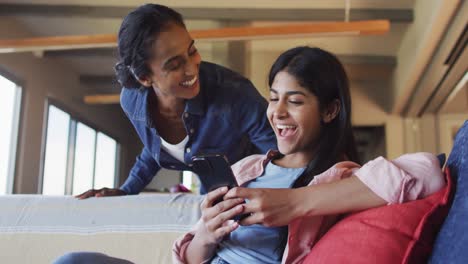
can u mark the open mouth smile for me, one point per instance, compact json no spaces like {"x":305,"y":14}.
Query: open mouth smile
{"x":285,"y":131}
{"x":189,"y":83}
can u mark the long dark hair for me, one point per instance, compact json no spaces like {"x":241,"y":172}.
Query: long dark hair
{"x":137,"y":35}
{"x":323,"y":75}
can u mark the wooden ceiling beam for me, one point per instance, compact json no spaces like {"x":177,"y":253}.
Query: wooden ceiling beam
{"x":57,"y":43}
{"x":370,"y":27}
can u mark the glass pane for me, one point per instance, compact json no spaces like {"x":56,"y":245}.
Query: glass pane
{"x":105,"y":161}
{"x":191,"y":181}
{"x":7,"y":138}
{"x":84,"y":159}
{"x":55,"y":163}
{"x":187,"y":179}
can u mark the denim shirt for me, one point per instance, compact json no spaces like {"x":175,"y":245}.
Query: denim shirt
{"x":228,"y":116}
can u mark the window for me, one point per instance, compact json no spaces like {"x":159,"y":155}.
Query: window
{"x":77,"y":157}
{"x":10,"y":103}
{"x":105,"y":168}
{"x":191,"y":181}
{"x":55,"y":165}
{"x":84,"y":159}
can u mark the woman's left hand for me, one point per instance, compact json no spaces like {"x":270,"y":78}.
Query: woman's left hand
{"x":269,"y":207}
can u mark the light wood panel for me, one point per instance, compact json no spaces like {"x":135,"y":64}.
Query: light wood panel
{"x":370,"y":27}
{"x":57,"y":43}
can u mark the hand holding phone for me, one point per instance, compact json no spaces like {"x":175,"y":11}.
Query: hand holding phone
{"x":214,"y":172}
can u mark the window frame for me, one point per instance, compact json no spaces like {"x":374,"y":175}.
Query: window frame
{"x":17,"y":125}
{"x":75,"y":118}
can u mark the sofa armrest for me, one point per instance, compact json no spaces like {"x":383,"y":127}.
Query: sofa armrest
{"x":140,"y":228}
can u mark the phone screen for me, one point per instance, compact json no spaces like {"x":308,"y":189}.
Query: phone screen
{"x":214,"y":171}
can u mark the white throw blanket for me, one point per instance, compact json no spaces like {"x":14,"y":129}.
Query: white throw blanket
{"x":141,"y":228}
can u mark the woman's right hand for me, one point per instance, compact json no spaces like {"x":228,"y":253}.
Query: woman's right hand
{"x":216,"y":218}
{"x":101,"y":193}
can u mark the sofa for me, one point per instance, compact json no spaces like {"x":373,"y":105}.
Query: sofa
{"x":451,"y":245}
{"x":142,"y":228}
{"x":139,"y":228}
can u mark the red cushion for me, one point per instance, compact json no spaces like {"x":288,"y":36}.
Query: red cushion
{"x":399,"y":233}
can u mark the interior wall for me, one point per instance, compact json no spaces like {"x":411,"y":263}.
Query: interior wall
{"x":448,"y":125}
{"x":432,"y":133}
{"x":421,"y":134}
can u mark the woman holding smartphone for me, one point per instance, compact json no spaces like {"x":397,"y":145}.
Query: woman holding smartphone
{"x":292,"y":197}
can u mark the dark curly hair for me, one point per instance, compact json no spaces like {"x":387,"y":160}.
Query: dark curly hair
{"x":137,"y":34}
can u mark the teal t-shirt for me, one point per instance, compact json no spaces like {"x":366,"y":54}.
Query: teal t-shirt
{"x":257,"y":243}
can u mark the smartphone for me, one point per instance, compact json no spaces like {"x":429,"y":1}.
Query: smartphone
{"x":214,"y":171}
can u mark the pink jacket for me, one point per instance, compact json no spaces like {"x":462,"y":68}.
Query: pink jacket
{"x":409,"y":177}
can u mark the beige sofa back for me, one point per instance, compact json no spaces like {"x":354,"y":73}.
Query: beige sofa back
{"x":140,"y":228}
